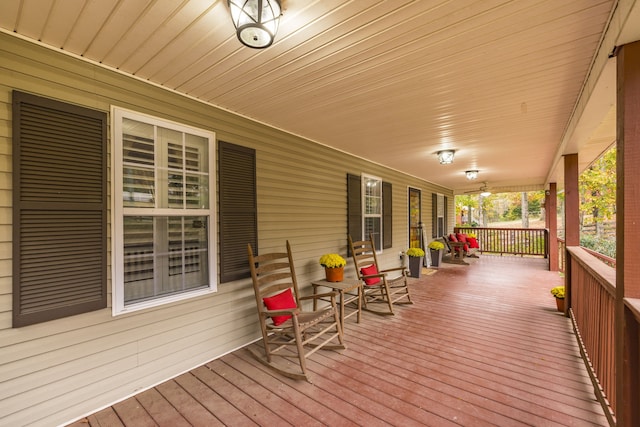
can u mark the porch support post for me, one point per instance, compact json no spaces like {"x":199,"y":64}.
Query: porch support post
{"x":571,"y":200}
{"x":571,"y":219}
{"x":551,"y":219}
{"x":627,"y":336}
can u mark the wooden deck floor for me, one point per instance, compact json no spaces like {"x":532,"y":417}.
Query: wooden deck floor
{"x":482,"y":345}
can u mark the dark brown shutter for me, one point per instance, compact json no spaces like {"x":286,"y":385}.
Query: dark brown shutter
{"x":238,"y":222}
{"x":434,"y":215}
{"x":354,"y":207}
{"x":59,"y":209}
{"x":387,"y":218}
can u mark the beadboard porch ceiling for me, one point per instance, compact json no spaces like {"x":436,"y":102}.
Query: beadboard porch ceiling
{"x":391,"y":81}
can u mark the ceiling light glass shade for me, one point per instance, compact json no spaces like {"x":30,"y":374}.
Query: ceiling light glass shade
{"x":485,"y":193}
{"x":445,"y":157}
{"x":256,"y":21}
{"x":471,"y":174}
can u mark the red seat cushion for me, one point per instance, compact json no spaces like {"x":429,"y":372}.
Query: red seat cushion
{"x":473,"y":242}
{"x":278,"y":302}
{"x":462,"y":238}
{"x":452,"y":238}
{"x":366,"y":271}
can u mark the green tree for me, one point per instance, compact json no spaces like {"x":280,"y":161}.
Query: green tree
{"x":598,"y":190}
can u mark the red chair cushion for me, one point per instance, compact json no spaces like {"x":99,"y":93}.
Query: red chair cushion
{"x":462,"y":238}
{"x":473,"y":243}
{"x":452,"y":238}
{"x":278,"y":302}
{"x":366,"y":271}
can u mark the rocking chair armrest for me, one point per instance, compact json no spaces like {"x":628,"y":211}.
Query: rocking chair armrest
{"x":373,"y":276}
{"x":393,"y":269}
{"x":282,"y":312}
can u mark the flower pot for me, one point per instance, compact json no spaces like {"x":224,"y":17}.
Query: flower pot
{"x":415,"y":266}
{"x":334,"y":274}
{"x":436,"y":257}
{"x":560,"y":304}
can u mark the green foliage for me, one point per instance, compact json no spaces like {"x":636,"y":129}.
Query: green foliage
{"x":598,"y":188}
{"x":603,"y":245}
{"x":514,"y":210}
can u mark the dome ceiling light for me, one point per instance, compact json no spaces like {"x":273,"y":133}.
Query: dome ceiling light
{"x":256,"y":21}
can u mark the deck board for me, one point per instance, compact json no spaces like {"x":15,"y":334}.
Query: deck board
{"x":482,"y":345}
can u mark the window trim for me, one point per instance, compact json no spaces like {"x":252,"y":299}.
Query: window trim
{"x":118,"y":114}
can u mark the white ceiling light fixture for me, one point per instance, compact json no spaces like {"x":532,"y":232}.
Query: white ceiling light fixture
{"x":471,"y":175}
{"x":445,"y":157}
{"x":256,"y":21}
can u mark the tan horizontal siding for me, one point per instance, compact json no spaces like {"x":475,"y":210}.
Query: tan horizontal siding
{"x":56,"y":371}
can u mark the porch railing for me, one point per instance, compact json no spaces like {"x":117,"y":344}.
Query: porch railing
{"x":511,"y":241}
{"x":592,"y":290}
{"x":611,"y":262}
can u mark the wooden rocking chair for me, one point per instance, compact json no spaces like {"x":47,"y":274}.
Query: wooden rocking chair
{"x":378,"y":286}
{"x":287,"y":330}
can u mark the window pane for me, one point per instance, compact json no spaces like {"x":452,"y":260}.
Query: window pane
{"x":197,"y":192}
{"x":138,"y":187}
{"x":138,"y":156}
{"x":372,"y":226}
{"x":197,"y":176}
{"x":138,"y":258}
{"x":197,"y":151}
{"x":373,"y":196}
{"x":164,"y":255}
{"x":440,"y":206}
{"x":138,"y":143}
{"x":175,"y":190}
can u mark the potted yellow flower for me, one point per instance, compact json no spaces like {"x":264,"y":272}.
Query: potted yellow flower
{"x":558,"y":293}
{"x":436,"y":249}
{"x":333,"y":267}
{"x":415,"y":261}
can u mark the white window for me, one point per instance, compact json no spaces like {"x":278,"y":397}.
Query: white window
{"x":441,"y":214}
{"x":164,"y":206}
{"x":372,"y":209}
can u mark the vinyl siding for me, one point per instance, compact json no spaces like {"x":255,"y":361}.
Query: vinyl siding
{"x":57,"y":371}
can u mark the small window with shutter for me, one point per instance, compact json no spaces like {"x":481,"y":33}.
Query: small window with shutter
{"x":369,"y":210}
{"x":59,"y":209}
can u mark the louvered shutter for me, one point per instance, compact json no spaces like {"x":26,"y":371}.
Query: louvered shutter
{"x":387,"y":217}
{"x":446,"y":216}
{"x":59,"y":209}
{"x":434,"y":215}
{"x":238,"y":209}
{"x":354,"y":207}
